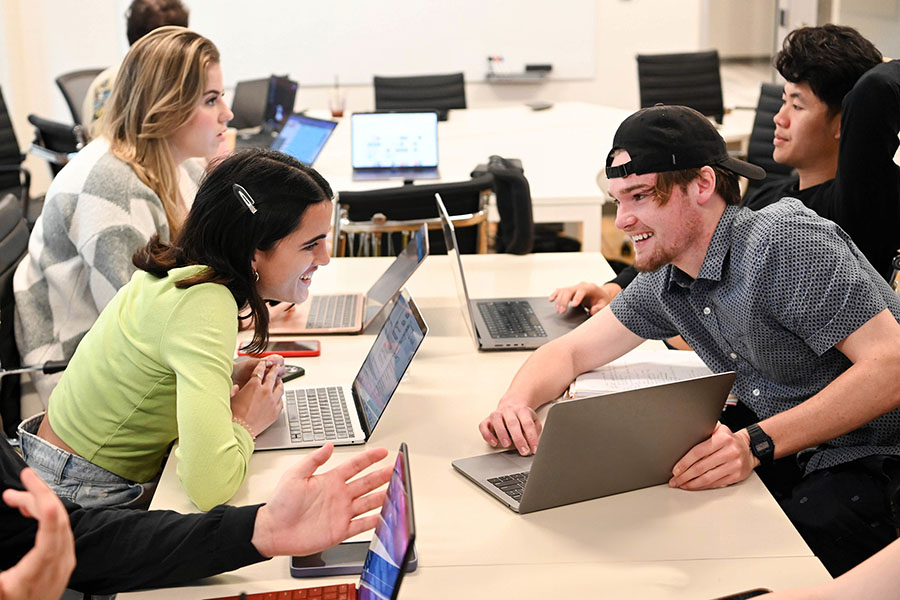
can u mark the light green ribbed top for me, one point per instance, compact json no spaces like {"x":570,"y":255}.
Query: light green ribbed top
{"x":156,"y":367}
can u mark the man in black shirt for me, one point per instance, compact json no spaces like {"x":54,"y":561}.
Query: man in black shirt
{"x":838,"y":128}
{"x":120,"y":549}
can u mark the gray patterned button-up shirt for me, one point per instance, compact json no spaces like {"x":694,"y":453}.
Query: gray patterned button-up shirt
{"x":777,"y":290}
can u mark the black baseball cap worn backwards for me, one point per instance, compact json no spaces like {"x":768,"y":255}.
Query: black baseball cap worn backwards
{"x":672,"y":138}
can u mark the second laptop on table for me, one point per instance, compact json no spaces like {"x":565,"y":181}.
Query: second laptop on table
{"x":505,"y":323}
{"x":353,"y":313}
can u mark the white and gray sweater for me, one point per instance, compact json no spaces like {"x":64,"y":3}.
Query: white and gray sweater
{"x":97,"y":213}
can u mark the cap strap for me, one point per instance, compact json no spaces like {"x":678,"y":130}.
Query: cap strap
{"x":623,"y":170}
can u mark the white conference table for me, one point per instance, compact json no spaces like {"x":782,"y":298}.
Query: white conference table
{"x":650,"y":543}
{"x":562,"y":149}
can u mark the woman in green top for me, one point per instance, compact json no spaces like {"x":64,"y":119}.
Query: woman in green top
{"x":157,"y":365}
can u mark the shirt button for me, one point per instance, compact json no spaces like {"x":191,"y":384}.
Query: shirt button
{"x":756,"y":392}
{"x":733,"y":356}
{"x":707,"y":310}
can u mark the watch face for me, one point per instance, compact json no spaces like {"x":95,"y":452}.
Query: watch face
{"x":761,"y":447}
{"x":760,"y":443}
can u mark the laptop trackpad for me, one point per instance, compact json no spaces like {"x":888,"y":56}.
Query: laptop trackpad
{"x":493,"y":465}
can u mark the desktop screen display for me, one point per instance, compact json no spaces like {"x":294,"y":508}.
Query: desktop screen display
{"x":394,"y":140}
{"x":388,"y":360}
{"x":303,"y":137}
{"x":393,"y":535}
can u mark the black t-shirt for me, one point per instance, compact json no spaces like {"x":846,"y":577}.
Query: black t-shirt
{"x":119,"y":549}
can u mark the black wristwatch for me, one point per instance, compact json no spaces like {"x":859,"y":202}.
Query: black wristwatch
{"x":761,"y":444}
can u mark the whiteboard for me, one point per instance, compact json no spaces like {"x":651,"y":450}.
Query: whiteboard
{"x":355,"y":39}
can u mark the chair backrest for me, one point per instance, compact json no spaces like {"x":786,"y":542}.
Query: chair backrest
{"x":10,"y":156}
{"x":690,"y":79}
{"x":515,"y":231}
{"x":55,"y":142}
{"x":440,"y":92}
{"x":760,"y":147}
{"x":13,"y":247}
{"x":407,"y":207}
{"x":74,"y":87}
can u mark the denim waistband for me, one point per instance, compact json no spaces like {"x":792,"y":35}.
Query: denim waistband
{"x":53,"y":460}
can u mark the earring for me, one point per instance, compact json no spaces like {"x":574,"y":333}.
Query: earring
{"x":256,"y":275}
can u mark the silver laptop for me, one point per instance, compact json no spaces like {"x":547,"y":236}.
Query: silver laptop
{"x":347,"y":414}
{"x":353,"y":313}
{"x":604,"y":445}
{"x":303,"y":137}
{"x":505,"y":323}
{"x":394,"y":145}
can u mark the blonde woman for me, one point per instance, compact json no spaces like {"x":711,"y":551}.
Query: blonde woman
{"x":120,"y":190}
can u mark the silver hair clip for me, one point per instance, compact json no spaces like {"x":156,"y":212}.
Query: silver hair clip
{"x":244,"y":196}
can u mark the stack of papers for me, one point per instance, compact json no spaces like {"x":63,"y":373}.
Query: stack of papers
{"x":637,"y":369}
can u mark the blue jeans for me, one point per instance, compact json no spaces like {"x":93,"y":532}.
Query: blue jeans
{"x":71,"y":476}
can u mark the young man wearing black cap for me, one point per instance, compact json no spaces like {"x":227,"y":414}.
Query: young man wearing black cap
{"x":781,"y":296}
{"x":838,"y":128}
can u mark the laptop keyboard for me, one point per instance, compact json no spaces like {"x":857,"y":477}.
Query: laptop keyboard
{"x":317,"y":414}
{"x":513,"y":319}
{"x":512,"y":485}
{"x":341,"y":591}
{"x":332,"y":311}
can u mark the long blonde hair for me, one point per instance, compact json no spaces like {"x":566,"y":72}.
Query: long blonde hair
{"x":156,"y":91}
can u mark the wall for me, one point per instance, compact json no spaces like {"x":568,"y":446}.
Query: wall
{"x":741,"y":29}
{"x":878,"y":20}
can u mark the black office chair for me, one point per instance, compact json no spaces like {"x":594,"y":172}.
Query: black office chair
{"x":760,"y":147}
{"x":55,"y":142}
{"x":437,"y":92}
{"x":13,"y":247}
{"x":14,"y":178}
{"x":74,"y":87}
{"x":690,"y":79}
{"x":515,"y":231}
{"x":371,"y":222}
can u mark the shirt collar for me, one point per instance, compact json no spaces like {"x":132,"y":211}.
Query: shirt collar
{"x":716,"y":252}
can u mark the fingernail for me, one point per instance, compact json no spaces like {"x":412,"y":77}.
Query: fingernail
{"x":524,"y":451}
{"x":494,"y":443}
{"x":676,"y":471}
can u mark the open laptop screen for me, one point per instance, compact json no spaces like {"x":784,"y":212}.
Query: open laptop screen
{"x":303,"y":137}
{"x":394,"y":140}
{"x":398,"y":273}
{"x":390,"y":356}
{"x":459,"y":278}
{"x":280,"y":101}
{"x":394,"y":535}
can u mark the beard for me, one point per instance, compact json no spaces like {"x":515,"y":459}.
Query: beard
{"x":682,"y":234}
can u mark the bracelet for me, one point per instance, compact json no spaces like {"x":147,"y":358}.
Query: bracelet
{"x":245,"y":425}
